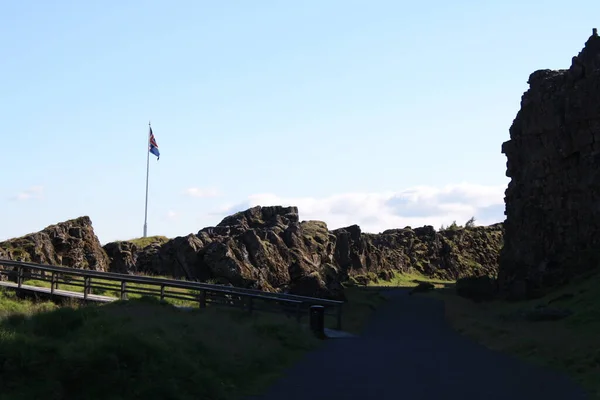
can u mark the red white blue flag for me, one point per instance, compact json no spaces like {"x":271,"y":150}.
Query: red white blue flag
{"x":153,"y":146}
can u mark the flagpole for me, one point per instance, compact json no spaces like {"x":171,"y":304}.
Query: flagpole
{"x":147,"y":175}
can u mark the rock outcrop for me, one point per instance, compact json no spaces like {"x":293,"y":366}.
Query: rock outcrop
{"x":269,"y":248}
{"x":71,"y":244}
{"x":552,"y":202}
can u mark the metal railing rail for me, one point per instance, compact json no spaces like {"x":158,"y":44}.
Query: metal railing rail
{"x":202,"y":293}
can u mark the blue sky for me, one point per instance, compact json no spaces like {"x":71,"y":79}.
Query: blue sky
{"x":382,"y":113}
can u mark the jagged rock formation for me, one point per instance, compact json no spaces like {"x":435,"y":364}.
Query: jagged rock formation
{"x":270,"y":249}
{"x":123,"y":257}
{"x":71,"y":244}
{"x":552,"y":213}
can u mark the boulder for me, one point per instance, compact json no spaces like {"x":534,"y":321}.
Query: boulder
{"x":122,"y":256}
{"x":71,"y":243}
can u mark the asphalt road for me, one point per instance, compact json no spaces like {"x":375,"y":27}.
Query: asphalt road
{"x":408,"y":352}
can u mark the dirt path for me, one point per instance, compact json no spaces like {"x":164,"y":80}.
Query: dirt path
{"x":408,"y":352}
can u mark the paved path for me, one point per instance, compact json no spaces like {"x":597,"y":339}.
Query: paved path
{"x":408,"y":352}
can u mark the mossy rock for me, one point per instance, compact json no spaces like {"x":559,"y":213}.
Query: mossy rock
{"x":360,"y":280}
{"x":385,"y":275}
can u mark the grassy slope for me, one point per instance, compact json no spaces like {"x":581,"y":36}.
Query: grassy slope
{"x":113,"y":293}
{"x":142,"y":349}
{"x":408,"y":280}
{"x":147,"y":241}
{"x":360,"y":305}
{"x":570,"y":344}
{"x":147,"y":349}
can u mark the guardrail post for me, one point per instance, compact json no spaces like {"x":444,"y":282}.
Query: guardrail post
{"x":19,"y":277}
{"x":162,"y":292}
{"x":317,"y":321}
{"x":298,"y":312}
{"x":86,"y":287}
{"x":339,"y":317}
{"x":123,"y":290}
{"x":203,"y":299}
{"x":52,"y":282}
{"x":250,"y":305}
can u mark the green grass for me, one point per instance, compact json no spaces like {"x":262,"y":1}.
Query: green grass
{"x":144,"y":348}
{"x":147,"y":241}
{"x":11,"y":305}
{"x":408,"y":280}
{"x":356,"y":311}
{"x":141,"y":349}
{"x":570,"y":344}
{"x":115,"y":293}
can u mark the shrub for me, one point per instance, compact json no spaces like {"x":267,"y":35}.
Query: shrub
{"x":470,"y":223}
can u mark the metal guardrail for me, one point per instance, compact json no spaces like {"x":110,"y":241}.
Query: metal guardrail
{"x":202,"y":293}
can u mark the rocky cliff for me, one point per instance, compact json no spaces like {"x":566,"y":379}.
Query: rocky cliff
{"x":71,"y":243}
{"x":270,"y":249}
{"x":552,"y":202}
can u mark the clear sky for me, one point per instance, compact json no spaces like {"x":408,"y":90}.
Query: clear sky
{"x":384,"y":113}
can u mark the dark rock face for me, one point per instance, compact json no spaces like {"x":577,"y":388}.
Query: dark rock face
{"x":71,"y":244}
{"x":123,"y":257}
{"x":552,"y":202}
{"x":268,"y":248}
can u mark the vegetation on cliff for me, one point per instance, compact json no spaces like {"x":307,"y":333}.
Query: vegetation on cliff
{"x":143,"y":242}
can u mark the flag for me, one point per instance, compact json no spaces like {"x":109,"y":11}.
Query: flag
{"x":153,"y":146}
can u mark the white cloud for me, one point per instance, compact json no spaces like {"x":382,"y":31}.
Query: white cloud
{"x":201,"y":192}
{"x":172,"y":214}
{"x":34,"y":192}
{"x":376,"y":212}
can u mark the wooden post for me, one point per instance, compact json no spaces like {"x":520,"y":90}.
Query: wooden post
{"x":339,"y":317}
{"x":162,"y":292}
{"x":19,"y":277}
{"x":52,"y":282}
{"x":123,"y":290}
{"x":298,"y":312}
{"x":317,"y":320}
{"x":86,"y":287}
{"x":203,"y":299}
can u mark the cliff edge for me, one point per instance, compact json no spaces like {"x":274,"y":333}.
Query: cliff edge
{"x":552,"y":227}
